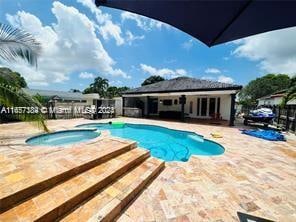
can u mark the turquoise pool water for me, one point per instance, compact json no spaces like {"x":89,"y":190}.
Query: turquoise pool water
{"x":163,"y":143}
{"x":63,"y":137}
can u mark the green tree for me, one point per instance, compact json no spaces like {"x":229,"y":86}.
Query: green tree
{"x":16,"y":43}
{"x":13,"y":96}
{"x":12,"y":78}
{"x":152,"y":79}
{"x":41,"y":99}
{"x":100,"y":86}
{"x":114,"y":91}
{"x":291,"y":92}
{"x":263,"y":86}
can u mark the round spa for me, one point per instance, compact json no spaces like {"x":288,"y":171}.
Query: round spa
{"x":64,"y":137}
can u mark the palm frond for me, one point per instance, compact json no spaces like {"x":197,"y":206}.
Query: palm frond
{"x":16,"y":43}
{"x":14,"y":97}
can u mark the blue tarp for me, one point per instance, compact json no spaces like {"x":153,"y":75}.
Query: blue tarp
{"x":213,"y":21}
{"x":265,"y":134}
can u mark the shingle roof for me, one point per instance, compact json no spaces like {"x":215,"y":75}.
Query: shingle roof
{"x":183,"y":84}
{"x":50,"y":93}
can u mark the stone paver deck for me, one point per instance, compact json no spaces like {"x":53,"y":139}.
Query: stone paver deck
{"x":252,"y":176}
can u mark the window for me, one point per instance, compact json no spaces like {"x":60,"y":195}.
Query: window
{"x":204,"y":104}
{"x":212,"y":108}
{"x":198,"y":106}
{"x":190,"y":106}
{"x":218,"y":105}
{"x":167,"y":102}
{"x":176,"y":102}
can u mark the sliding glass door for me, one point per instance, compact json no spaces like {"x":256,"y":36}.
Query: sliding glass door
{"x":207,"y":107}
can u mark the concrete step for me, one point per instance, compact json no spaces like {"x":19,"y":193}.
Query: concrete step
{"x":58,"y":200}
{"x":56,"y":169}
{"x":109,"y":203}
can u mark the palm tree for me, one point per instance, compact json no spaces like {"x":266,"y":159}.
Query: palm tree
{"x":12,"y":96}
{"x":100,"y":86}
{"x":14,"y":44}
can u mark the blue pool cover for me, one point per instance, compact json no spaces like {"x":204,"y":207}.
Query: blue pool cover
{"x":265,"y":134}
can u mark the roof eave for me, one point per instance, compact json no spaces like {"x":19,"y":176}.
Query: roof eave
{"x":188,"y":90}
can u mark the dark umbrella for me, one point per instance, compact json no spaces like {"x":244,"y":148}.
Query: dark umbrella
{"x":214,"y":22}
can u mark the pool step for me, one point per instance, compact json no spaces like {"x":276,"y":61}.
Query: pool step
{"x":58,"y":167}
{"x":62,"y":198}
{"x":110,"y":202}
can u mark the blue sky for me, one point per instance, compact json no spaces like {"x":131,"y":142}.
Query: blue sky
{"x":81,"y":42}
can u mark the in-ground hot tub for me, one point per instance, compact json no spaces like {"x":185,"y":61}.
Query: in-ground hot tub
{"x":64,"y":137}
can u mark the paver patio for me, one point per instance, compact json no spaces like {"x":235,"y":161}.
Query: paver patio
{"x":252,"y":176}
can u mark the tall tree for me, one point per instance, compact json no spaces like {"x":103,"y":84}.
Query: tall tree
{"x":291,"y":92}
{"x":16,"y":43}
{"x":152,"y":79}
{"x":12,"y":95}
{"x":99,"y":86}
{"x":263,"y":86}
{"x":9,"y":77}
{"x":114,"y":91}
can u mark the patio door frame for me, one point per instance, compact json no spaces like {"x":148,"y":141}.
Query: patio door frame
{"x":200,"y":108}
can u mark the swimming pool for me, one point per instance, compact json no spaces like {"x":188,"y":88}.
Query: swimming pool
{"x":65,"y":137}
{"x":163,"y":143}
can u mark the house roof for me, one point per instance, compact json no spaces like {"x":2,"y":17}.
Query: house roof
{"x":60,"y":94}
{"x":280,"y":93}
{"x":183,"y":84}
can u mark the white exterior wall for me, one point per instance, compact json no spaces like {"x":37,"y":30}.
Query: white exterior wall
{"x":173,"y":107}
{"x":225,"y":106}
{"x":270,"y":101}
{"x":225,"y":103}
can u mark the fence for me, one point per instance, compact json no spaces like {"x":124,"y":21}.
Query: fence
{"x":285,"y":118}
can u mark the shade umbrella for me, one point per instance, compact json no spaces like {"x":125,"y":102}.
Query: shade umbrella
{"x":214,"y":22}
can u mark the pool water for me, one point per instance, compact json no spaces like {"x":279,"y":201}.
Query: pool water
{"x":63,"y":137}
{"x":163,"y":143}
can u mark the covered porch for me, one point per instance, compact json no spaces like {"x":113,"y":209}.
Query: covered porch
{"x":201,"y":106}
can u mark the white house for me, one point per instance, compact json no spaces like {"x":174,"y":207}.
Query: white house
{"x":78,"y":100}
{"x":182,"y":97}
{"x":274,"y":99}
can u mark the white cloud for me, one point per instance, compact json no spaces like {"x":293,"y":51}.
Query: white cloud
{"x":212,"y":70}
{"x":100,"y":16}
{"x":221,"y":78}
{"x":106,"y":27}
{"x":131,"y":37}
{"x":275,"y":51}
{"x":225,"y":79}
{"x":143,"y":22}
{"x":109,"y":29}
{"x":164,"y":72}
{"x":208,"y":78}
{"x":86,"y":75}
{"x":68,"y":46}
{"x":188,"y":44}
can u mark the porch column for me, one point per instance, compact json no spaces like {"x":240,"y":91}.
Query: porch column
{"x":183,"y":102}
{"x":147,"y":106}
{"x":123,"y":105}
{"x":232,"y":110}
{"x":287,"y":118}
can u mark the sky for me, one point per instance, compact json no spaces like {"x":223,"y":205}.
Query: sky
{"x":80,"y":42}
